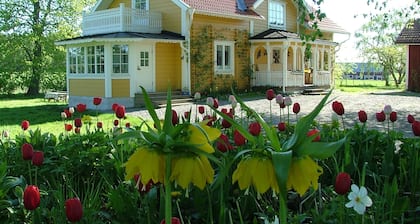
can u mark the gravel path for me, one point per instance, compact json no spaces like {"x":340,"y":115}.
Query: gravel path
{"x":402,"y":102}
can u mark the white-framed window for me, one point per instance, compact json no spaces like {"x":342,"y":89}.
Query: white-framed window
{"x":76,"y":60}
{"x":120,"y":58}
{"x":140,"y":4}
{"x":276,"y":14}
{"x":95,"y":59}
{"x":144,"y":59}
{"x":224,"y":57}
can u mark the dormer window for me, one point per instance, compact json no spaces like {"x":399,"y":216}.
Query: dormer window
{"x":140,"y":4}
{"x":276,"y":14}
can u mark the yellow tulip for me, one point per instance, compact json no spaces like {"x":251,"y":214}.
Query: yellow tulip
{"x":147,"y":162}
{"x":303,"y":174}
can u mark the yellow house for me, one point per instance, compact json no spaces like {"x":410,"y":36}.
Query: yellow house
{"x":192,"y":45}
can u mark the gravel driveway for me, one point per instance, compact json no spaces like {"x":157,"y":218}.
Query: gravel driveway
{"x":403,"y":103}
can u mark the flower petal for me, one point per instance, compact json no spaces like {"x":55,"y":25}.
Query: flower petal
{"x":362,"y":192}
{"x":359,"y":208}
{"x":367,"y":201}
{"x":349,"y":204}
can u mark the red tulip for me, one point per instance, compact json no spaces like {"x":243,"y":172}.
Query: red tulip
{"x":223,"y":143}
{"x":380,"y":116}
{"x":114,"y":106}
{"x":143,"y":189}
{"x":99,"y":125}
{"x":281,"y":126}
{"x":338,"y":108}
{"x":226,"y":123}
{"x":174,"y":220}
{"x":38,"y":158}
{"x":78,"y":122}
{"x":270,"y":94}
{"x":25,"y":125}
{"x":175,"y":119}
{"x":342,"y":183}
{"x":410,"y":118}
{"x":316,"y":133}
{"x":81,"y":107}
{"x":362,"y":116}
{"x":27,"y":151}
{"x":238,"y":138}
{"x":187,"y":115}
{"x":77,"y":130}
{"x":127,"y":125}
{"x":296,"y":108}
{"x":215,"y":103}
{"x":282,"y":105}
{"x":201,"y":109}
{"x":254,"y":128}
{"x":116,"y":122}
{"x":209,"y":119}
{"x":120,"y":111}
{"x":416,"y":128}
{"x":97,"y":101}
{"x":74,"y":209}
{"x":68,"y":127}
{"x":393,"y":116}
{"x":31,"y":197}
{"x":68,"y":114}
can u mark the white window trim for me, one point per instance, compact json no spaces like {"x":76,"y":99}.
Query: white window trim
{"x":284,"y":15}
{"x":224,"y":71}
{"x":133,"y":4}
{"x":120,"y":63}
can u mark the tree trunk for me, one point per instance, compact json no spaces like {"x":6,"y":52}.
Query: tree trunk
{"x":37,"y":27}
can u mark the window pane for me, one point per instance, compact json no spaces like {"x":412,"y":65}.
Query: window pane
{"x":227,"y":57}
{"x":219,"y":56}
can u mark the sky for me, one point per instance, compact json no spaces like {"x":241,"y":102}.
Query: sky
{"x":342,"y":12}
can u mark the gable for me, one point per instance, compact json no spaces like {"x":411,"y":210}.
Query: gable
{"x":410,"y":33}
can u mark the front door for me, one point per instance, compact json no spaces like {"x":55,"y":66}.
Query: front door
{"x":145,"y":75}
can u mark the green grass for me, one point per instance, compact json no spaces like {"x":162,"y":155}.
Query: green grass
{"x":365,"y":85}
{"x":45,"y":115}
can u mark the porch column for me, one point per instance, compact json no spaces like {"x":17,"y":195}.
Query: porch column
{"x":284,"y":68}
{"x":269,"y":75}
{"x":185,"y":66}
{"x":294,"y":57}
{"x":252,"y":51}
{"x":302,"y":57}
{"x":108,"y":70}
{"x":322,"y":59}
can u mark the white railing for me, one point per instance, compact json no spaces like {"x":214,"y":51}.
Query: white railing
{"x":322,"y":78}
{"x":264,"y":78}
{"x":121,"y":19}
{"x":295,"y":78}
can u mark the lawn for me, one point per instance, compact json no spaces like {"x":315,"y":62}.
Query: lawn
{"x":348,"y":85}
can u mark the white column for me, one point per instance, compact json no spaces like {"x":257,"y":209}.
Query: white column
{"x":284,"y":68}
{"x":108,"y":69}
{"x":269,"y":73}
{"x":294,"y":57}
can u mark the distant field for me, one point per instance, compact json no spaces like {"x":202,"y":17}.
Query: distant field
{"x":348,"y":85}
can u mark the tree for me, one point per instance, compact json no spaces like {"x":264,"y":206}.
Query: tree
{"x":376,"y":38}
{"x":30,"y":27}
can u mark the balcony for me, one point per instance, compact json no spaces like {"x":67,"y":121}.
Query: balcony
{"x":121,"y":19}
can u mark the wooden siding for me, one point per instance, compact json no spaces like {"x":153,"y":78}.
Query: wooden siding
{"x":87,"y":87}
{"x":116,"y":3}
{"x":291,"y":16}
{"x":413,"y":68}
{"x":204,"y":32}
{"x":171,"y":14}
{"x":120,"y":88}
{"x":168,"y":66}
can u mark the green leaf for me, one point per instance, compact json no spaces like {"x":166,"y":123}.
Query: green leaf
{"x":151,"y":109}
{"x":167,"y":123}
{"x":282,"y":162}
{"x":319,"y":150}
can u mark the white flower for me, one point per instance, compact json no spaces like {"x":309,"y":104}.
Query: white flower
{"x":63,"y":115}
{"x":71,"y":110}
{"x":197,"y":95}
{"x":210,"y":101}
{"x":279,"y":99}
{"x":232,"y":101}
{"x":275,"y":221}
{"x":387,"y":109}
{"x":359,"y":199}
{"x":288,"y":101}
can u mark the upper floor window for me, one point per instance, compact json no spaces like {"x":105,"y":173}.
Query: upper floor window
{"x":276,"y":14}
{"x":120,"y":58}
{"x":141,"y":4}
{"x":224,"y":57}
{"x":76,"y":60}
{"x":95,"y":59}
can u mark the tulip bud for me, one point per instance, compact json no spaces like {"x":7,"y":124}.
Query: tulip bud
{"x":410,"y":118}
{"x":27,"y":151}
{"x":25,"y":125}
{"x":201,"y":109}
{"x":63,"y":115}
{"x":279,"y":99}
{"x":71,"y":110}
{"x":197,"y":95}
{"x":223,"y":143}
{"x":380,"y":117}
{"x":288,"y":101}
{"x":210,"y":101}
{"x":68,"y":127}
{"x":31,"y":197}
{"x":342,"y":183}
{"x":78,"y":122}
{"x":362,"y":116}
{"x":120,"y":111}
{"x":387,"y":109}
{"x":74,"y":209}
{"x":114,"y":106}
{"x":99,"y":125}
{"x":254,"y":128}
{"x":338,"y":108}
{"x":296,"y":108}
{"x":238,"y":138}
{"x":81,"y":107}
{"x":416,"y":128}
{"x":281,"y":126}
{"x":393,"y":116}
{"x":97,"y":101}
{"x":270,"y":94}
{"x":215,"y":103}
{"x":175,"y":119}
{"x":38,"y":158}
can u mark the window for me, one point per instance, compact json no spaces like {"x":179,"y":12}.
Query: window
{"x":77,"y":60}
{"x":120,"y":59}
{"x":141,"y":4}
{"x":276,"y":14}
{"x":95,"y":59}
{"x":144,"y":59}
{"x":224,"y":52}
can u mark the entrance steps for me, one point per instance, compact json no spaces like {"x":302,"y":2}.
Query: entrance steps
{"x":159,"y":99}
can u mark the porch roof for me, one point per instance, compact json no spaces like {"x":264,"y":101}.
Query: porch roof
{"x":274,"y":34}
{"x":125,"y":36}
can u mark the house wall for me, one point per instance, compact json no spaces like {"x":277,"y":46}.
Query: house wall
{"x":413,"y":68}
{"x":87,"y":87}
{"x":116,"y":3}
{"x":291,"y":15}
{"x":171,"y":14}
{"x":120,"y":88}
{"x":168,"y":66}
{"x":204,"y":32}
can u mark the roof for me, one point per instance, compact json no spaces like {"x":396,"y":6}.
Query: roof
{"x":328,"y":25}
{"x":275,"y":34}
{"x":410,"y":33}
{"x":224,"y":8}
{"x":164,"y":35}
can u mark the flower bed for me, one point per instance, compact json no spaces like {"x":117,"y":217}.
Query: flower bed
{"x":216,"y":165}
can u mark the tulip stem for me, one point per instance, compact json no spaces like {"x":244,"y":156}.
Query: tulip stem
{"x":168,"y":190}
{"x":30,"y":173}
{"x":283,"y":207}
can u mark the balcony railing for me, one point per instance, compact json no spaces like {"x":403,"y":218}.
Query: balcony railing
{"x":121,"y":19}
